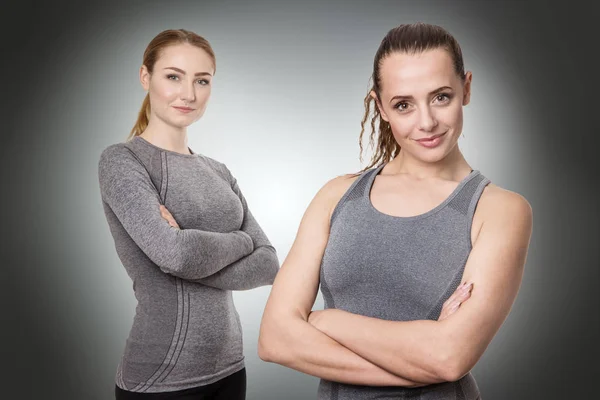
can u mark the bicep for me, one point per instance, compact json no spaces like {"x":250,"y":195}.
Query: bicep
{"x":296,"y":284}
{"x":128,"y":191}
{"x":495,"y":267}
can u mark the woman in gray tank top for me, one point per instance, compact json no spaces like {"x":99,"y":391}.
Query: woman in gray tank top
{"x":397,"y":248}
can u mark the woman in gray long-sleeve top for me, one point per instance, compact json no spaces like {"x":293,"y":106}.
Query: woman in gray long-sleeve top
{"x":184,"y":234}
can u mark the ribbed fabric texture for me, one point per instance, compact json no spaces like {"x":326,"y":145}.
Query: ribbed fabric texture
{"x":186,"y":331}
{"x":398,"y":269}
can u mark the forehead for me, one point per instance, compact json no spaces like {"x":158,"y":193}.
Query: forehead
{"x":412,"y":74}
{"x":187,"y":57}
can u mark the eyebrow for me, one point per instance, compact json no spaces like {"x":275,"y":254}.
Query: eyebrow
{"x":436,"y":91}
{"x":183,"y":72}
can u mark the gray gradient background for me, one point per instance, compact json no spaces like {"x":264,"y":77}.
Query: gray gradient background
{"x":284,"y":116}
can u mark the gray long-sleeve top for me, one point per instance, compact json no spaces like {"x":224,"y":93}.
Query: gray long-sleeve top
{"x":186,"y":331}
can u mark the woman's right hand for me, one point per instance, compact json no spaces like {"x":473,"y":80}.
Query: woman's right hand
{"x":166,"y":214}
{"x":460,"y":295}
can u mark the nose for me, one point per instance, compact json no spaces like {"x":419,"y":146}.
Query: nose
{"x":187,"y":93}
{"x":427,"y":121}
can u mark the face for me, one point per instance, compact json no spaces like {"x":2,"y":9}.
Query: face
{"x":180,"y":84}
{"x":422,"y":99}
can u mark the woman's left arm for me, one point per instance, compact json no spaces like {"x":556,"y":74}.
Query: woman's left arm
{"x":449,"y":348}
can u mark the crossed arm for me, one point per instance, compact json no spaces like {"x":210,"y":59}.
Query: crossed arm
{"x":235,"y":260}
{"x":344,"y":347}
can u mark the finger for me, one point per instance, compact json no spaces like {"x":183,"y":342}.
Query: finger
{"x":172,"y":222}
{"x":453,"y":306}
{"x":462,"y":294}
{"x":457,"y":292}
{"x":163,"y":211}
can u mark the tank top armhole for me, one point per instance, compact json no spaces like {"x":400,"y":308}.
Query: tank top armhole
{"x":347,"y":194}
{"x":473,"y":206}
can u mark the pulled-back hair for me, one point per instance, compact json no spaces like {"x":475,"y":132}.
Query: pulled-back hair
{"x":409,"y":39}
{"x":164,"y":39}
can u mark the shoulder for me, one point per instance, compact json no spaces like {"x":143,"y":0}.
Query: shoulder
{"x":115,"y":153}
{"x":505,"y":209}
{"x":333,"y":190}
{"x":118,"y":162}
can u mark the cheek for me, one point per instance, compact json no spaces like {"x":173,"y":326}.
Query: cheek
{"x":403,"y":125}
{"x":451,"y":116}
{"x":204,"y":94}
{"x":163,"y":91}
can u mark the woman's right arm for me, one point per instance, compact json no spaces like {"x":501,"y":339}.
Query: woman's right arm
{"x":286,"y":337}
{"x":189,"y":253}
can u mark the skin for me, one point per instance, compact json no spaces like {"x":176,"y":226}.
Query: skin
{"x":349,"y":348}
{"x":181,"y":77}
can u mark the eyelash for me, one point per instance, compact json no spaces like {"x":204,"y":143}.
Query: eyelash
{"x":203,"y":82}
{"x":447,"y":96}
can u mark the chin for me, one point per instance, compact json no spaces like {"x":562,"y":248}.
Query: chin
{"x":432,"y":155}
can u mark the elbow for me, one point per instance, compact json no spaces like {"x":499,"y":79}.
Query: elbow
{"x":270,"y":342}
{"x":271,"y":265}
{"x":452,"y":366}
{"x":267,"y":345}
{"x":265,"y":352}
{"x":451,"y":373}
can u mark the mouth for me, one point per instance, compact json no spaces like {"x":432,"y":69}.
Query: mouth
{"x":431,"y":138}
{"x":184,"y":109}
{"x":432,"y":141}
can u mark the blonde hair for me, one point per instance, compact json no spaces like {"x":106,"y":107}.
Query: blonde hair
{"x":164,"y":39}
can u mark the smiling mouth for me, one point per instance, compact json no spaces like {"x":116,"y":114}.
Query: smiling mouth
{"x":429,"y":139}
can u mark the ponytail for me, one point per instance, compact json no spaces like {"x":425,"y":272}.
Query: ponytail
{"x":142,"y":119}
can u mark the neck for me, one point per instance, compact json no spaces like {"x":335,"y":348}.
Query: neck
{"x":166,"y":137}
{"x":452,"y":167}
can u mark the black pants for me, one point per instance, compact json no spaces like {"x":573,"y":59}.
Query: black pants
{"x":232,"y":387}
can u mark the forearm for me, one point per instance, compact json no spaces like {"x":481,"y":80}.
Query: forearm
{"x":412,"y":349}
{"x":131,"y":198}
{"x":255,"y":270}
{"x":194,"y":254}
{"x":296,"y":344}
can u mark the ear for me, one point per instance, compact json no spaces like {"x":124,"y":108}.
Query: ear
{"x":467,"y":88}
{"x":378,"y":103}
{"x":145,"y":77}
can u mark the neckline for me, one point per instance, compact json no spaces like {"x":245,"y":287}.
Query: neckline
{"x":426,"y":214}
{"x":175,"y":153}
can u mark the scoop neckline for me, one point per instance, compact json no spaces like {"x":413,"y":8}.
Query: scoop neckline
{"x":426,"y":214}
{"x":175,"y":153}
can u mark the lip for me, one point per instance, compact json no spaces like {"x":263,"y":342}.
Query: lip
{"x":184,"y":109}
{"x":432,"y":141}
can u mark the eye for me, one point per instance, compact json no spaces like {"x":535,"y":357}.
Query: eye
{"x":172,"y":77}
{"x":203,"y":82}
{"x":443,"y":97}
{"x":401,"y":106}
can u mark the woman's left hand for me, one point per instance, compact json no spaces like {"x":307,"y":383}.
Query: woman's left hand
{"x":166,"y":214}
{"x":460,"y":295}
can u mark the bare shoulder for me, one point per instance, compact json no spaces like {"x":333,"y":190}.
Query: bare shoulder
{"x":336,"y":187}
{"x":331,"y":193}
{"x":504,"y":206}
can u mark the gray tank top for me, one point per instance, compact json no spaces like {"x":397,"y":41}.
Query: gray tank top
{"x":398,"y":269}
